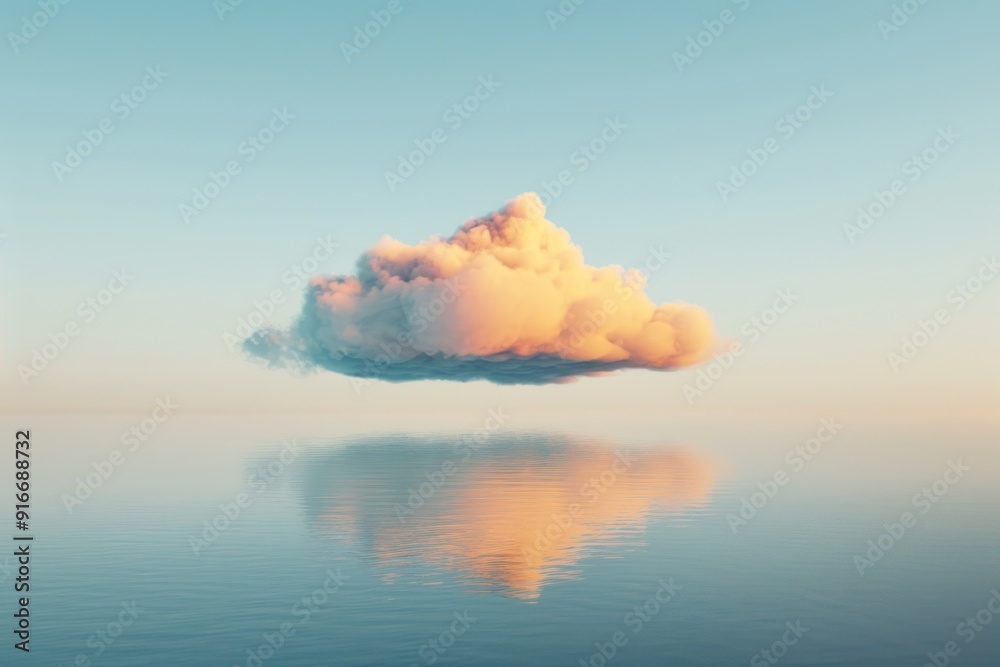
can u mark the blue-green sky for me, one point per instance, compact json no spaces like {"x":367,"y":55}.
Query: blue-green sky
{"x":655,"y":186}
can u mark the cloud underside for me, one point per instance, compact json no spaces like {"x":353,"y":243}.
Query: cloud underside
{"x":507,"y":299}
{"x":499,"y":369}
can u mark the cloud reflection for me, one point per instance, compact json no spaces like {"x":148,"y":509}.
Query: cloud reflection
{"x":509,"y":517}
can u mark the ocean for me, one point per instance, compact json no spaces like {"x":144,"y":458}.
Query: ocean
{"x":488,"y":540}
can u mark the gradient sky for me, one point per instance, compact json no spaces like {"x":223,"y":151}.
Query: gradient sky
{"x":654,"y":187}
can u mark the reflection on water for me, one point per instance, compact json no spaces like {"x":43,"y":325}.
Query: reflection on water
{"x":343,"y":506}
{"x":509,"y":516}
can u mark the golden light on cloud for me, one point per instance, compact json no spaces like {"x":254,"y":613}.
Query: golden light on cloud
{"x":507,"y":298}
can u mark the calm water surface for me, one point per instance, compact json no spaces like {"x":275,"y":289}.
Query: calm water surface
{"x":548,"y":545}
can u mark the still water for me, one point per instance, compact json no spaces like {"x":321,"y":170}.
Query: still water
{"x":295,"y":542}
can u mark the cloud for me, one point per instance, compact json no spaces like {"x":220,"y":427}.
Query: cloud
{"x":507,"y":298}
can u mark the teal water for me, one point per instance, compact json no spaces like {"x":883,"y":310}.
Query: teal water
{"x":541,"y":546}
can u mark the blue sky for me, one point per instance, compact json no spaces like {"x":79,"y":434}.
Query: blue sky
{"x":655,"y":186}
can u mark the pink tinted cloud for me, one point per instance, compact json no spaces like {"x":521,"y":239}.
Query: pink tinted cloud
{"x":507,"y":298}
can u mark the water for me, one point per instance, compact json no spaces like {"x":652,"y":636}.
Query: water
{"x":568,"y":540}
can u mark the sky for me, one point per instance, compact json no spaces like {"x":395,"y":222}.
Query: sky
{"x":833,"y":99}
